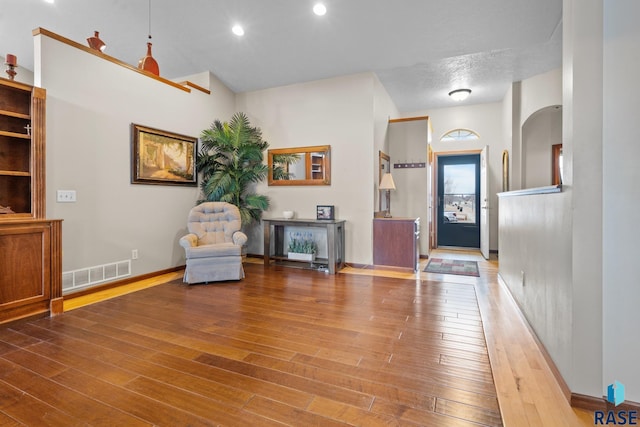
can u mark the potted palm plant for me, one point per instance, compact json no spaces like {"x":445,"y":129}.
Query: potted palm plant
{"x":230,"y":161}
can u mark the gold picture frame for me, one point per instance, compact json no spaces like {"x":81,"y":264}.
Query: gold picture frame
{"x":162,"y":158}
{"x":505,"y":170}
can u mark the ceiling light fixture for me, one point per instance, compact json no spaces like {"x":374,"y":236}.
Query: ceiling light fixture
{"x":96,"y":43}
{"x":319,"y":9}
{"x":238,"y":30}
{"x":147,"y":62}
{"x":460,"y":94}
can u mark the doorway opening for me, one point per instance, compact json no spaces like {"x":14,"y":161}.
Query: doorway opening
{"x":458,"y":201}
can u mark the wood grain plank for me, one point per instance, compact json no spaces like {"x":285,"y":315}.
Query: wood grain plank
{"x":283,"y":346}
{"x":137,"y":405}
{"x":68,"y":401}
{"x":267,"y":389}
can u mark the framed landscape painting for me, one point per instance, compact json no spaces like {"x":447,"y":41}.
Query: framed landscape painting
{"x":162,"y":158}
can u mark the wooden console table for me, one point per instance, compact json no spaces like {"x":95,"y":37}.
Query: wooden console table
{"x":335,"y":240}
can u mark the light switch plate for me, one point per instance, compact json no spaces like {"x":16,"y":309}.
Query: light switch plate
{"x":66,"y":196}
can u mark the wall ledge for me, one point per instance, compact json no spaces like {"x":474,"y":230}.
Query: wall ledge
{"x":61,"y":39}
{"x":531,"y":191}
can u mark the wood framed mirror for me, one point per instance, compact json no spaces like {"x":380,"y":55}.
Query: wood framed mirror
{"x":556,"y":164}
{"x":300,"y":165}
{"x":384,"y":166}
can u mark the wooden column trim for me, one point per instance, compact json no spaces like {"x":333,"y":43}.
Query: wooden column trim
{"x":195,"y":86}
{"x":38,"y":156}
{"x":409,"y":119}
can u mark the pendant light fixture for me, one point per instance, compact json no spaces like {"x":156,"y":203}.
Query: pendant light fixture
{"x":148,"y":63}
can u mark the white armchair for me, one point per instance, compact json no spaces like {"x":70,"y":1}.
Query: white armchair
{"x":214,"y":243}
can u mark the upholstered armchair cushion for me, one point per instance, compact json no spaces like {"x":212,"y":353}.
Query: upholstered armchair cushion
{"x":219,"y":249}
{"x":213,"y":246}
{"x":214,"y":222}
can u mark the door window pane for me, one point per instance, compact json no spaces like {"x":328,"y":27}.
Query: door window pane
{"x":460,"y":193}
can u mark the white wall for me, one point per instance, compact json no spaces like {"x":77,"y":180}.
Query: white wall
{"x":486,"y":121}
{"x":592,"y":357}
{"x":408,"y":143}
{"x":535,"y":237}
{"x":540,"y":132}
{"x":23,"y":75}
{"x":539,"y":92}
{"x":337,"y":112}
{"x":383,"y":110}
{"x":535,"y":261}
{"x":582,"y":156}
{"x":621,"y":176}
{"x":513,"y":132}
{"x":90,"y":107}
{"x":530,"y":97}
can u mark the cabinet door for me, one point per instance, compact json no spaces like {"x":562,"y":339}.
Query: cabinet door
{"x":394,"y":242}
{"x":25,"y":266}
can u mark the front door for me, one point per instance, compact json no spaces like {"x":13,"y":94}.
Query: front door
{"x":484,"y":202}
{"x":459,"y":200}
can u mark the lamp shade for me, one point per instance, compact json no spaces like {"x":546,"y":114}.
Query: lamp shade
{"x":11,"y":60}
{"x":387,"y":182}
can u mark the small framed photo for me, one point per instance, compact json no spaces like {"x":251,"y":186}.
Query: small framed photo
{"x":325,"y":212}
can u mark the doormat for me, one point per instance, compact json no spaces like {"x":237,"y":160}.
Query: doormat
{"x":452,"y":266}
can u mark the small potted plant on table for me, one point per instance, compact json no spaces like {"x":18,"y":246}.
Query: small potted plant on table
{"x":302,"y":247}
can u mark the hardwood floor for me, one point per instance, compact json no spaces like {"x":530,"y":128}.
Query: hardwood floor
{"x":283,"y":347}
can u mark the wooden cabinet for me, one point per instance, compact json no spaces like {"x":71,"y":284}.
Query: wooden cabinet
{"x":31,"y":279}
{"x":395,"y":242}
{"x":22,"y":135}
{"x":30,"y":246}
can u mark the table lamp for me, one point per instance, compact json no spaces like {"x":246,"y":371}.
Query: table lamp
{"x":387,"y":184}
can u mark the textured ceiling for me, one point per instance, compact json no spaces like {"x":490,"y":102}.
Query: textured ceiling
{"x":420,"y":49}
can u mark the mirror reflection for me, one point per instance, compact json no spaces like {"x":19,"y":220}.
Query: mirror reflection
{"x":384,"y":166}
{"x":300,"y":166}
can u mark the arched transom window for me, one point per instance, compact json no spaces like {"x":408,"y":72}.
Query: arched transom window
{"x":459,"y":135}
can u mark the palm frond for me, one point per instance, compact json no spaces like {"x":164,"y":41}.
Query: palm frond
{"x":230,"y":160}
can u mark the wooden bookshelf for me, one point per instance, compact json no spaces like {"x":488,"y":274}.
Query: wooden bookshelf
{"x":30,"y":245}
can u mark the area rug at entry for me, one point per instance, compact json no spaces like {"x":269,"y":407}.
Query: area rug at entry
{"x":452,"y":266}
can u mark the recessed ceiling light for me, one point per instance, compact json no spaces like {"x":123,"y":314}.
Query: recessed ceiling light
{"x":319,"y":9}
{"x":49,"y":1}
{"x":238,"y":30}
{"x":459,"y":94}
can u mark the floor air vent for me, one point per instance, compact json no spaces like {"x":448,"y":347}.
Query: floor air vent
{"x":89,"y":276}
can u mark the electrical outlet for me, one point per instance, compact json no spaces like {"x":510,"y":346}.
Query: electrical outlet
{"x":66,"y":196}
{"x":134,"y":254}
